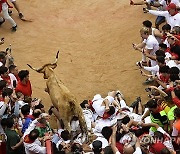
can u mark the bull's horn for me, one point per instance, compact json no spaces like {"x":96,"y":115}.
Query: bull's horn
{"x":33,"y":68}
{"x":57,"y":56}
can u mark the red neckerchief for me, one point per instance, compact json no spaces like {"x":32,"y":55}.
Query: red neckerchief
{"x":27,"y":139}
{"x":17,"y":77}
{"x":175,"y":13}
{"x":29,"y":116}
{"x":90,"y":102}
{"x":164,"y":78}
{"x":2,"y":99}
{"x":4,"y":1}
{"x":106,"y":115}
{"x":41,"y":125}
{"x":159,"y":109}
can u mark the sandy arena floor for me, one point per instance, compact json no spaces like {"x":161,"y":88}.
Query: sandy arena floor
{"x":94,"y":38}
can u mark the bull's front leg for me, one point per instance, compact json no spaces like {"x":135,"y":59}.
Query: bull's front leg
{"x":67,"y":125}
{"x":46,"y":90}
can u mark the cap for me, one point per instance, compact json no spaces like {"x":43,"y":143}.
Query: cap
{"x":97,"y":144}
{"x":171,"y":6}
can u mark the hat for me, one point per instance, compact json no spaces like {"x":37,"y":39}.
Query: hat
{"x":171,"y":6}
{"x":97,"y":144}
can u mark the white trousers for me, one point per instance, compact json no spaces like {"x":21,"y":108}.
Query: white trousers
{"x":6,"y":15}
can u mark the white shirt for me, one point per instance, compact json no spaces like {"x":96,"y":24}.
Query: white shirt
{"x":138,"y":151}
{"x":12,"y":77}
{"x":88,"y":115}
{"x":151,"y":44}
{"x":168,"y":141}
{"x":34,"y":148}
{"x":2,"y":108}
{"x":164,"y":4}
{"x":153,"y":69}
{"x":103,"y":140}
{"x":171,"y":20}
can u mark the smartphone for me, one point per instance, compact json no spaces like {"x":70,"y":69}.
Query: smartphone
{"x":119,"y":123}
{"x":147,"y":89}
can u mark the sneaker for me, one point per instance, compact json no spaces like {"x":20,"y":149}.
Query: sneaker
{"x":2,"y":22}
{"x":131,"y":2}
{"x":10,"y":12}
{"x":141,"y":63}
{"x":119,"y":93}
{"x":148,"y":81}
{"x":50,"y":110}
{"x":14,"y":28}
{"x":136,"y":103}
{"x":21,"y":15}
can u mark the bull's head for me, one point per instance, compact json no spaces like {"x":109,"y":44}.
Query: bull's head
{"x":47,"y":68}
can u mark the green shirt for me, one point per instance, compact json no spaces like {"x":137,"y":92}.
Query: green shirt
{"x":159,"y":118}
{"x":171,"y":113}
{"x":12,"y":139}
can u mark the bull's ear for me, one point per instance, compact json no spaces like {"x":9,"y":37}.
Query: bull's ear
{"x":35,"y":69}
{"x":53,"y":66}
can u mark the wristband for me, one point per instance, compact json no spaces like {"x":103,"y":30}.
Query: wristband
{"x":171,"y":89}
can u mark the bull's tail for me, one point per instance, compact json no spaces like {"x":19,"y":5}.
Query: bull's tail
{"x":78,"y":112}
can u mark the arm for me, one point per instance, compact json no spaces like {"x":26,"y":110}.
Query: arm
{"x":157,"y":33}
{"x":116,"y":104}
{"x":138,"y":149}
{"x":158,"y":13}
{"x":147,"y":53}
{"x":175,"y":99}
{"x":159,"y":90}
{"x":153,"y":68}
{"x":139,"y":46}
{"x":150,"y":125}
{"x":160,"y":83}
{"x":145,"y":115}
{"x":113,"y":140}
{"x":31,"y":127}
{"x":18,"y":144}
{"x":106,"y":102}
{"x":144,"y":74}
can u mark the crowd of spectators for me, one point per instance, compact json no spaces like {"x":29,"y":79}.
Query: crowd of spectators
{"x":113,"y":126}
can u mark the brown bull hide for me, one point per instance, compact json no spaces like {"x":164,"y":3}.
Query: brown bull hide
{"x":61,"y":97}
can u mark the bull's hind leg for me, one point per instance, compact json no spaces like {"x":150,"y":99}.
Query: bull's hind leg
{"x":83,"y":126}
{"x":67,"y":125}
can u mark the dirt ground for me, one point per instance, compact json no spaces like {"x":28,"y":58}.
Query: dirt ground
{"x":95,"y":41}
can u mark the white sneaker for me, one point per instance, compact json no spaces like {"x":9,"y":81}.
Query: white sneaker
{"x":118,"y":92}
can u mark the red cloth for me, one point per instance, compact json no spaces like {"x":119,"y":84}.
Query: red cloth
{"x":173,"y":54}
{"x":106,"y":115}
{"x":25,"y":89}
{"x":157,"y":147}
{"x":176,"y":101}
{"x":27,"y":139}
{"x":7,"y":79}
{"x":2,"y":147}
{"x":119,"y":146}
{"x":4,"y":1}
{"x":164,"y":79}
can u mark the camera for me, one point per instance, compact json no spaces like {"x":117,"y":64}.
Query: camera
{"x":119,"y":123}
{"x":147,"y":89}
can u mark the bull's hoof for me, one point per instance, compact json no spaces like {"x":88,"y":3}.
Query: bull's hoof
{"x":46,"y":90}
{"x":50,"y":110}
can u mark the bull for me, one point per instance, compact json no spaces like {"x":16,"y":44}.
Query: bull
{"x":61,"y":97}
